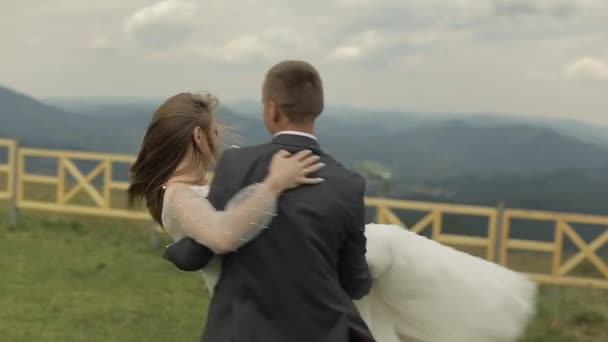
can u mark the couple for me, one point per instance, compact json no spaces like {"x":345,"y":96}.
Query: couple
{"x":297,"y":261}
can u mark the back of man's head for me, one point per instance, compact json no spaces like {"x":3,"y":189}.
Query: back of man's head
{"x":296,"y":89}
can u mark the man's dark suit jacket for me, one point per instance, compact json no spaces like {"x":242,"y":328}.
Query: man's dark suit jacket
{"x":294,"y":282}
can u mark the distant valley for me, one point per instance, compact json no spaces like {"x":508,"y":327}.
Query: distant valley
{"x":480,"y":159}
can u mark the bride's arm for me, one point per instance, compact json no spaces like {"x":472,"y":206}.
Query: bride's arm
{"x":221,"y":231}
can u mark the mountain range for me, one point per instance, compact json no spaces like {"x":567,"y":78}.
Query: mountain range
{"x":471,"y":158}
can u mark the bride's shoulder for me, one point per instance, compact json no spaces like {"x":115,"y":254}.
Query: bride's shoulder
{"x":197,"y":190}
{"x":201,"y":190}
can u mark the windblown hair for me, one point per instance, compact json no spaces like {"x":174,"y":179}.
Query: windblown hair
{"x":167,"y":142}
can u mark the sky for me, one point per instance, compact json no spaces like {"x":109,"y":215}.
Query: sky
{"x":526,"y":57}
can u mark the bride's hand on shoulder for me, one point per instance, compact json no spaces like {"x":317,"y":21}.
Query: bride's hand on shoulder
{"x":288,"y":170}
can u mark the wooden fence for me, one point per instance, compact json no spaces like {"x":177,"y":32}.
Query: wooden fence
{"x":96,"y":192}
{"x":499,"y":244}
{"x":433,"y":219}
{"x":7,"y":168}
{"x":561,"y":267}
{"x":69,"y":180}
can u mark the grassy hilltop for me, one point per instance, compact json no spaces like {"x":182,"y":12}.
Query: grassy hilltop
{"x":74,"y":278}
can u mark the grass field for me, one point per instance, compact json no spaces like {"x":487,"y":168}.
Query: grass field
{"x":69,"y":279}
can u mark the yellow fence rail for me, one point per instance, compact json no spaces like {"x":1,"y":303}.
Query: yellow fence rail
{"x":99,"y":195}
{"x":561,"y":266}
{"x":93,"y":190}
{"x":435,"y":213}
{"x":7,"y":168}
{"x":498,"y":245}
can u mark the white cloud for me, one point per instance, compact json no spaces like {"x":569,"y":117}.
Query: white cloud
{"x":424,"y":51}
{"x":346,"y":52}
{"x":536,"y":75}
{"x":370,"y":32}
{"x":379,"y":47}
{"x":589,"y":70}
{"x":265,"y":45}
{"x":364,"y":46}
{"x":555,"y":8}
{"x":248,"y":46}
{"x":31,"y":41}
{"x":162,"y":25}
{"x":75,"y":7}
{"x":99,"y":44}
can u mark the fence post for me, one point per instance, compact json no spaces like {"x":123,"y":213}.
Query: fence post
{"x":13,"y":184}
{"x":498,"y":242}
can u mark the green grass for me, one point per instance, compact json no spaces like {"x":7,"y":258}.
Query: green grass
{"x":570,"y":314}
{"x":93,"y":280}
{"x":66,"y":278}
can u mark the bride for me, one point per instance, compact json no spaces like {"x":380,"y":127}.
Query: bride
{"x":427,"y":292}
{"x":422,"y":290}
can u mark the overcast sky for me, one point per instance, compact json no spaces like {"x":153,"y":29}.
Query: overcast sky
{"x":529,"y":57}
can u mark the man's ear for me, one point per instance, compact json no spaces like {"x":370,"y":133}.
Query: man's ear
{"x":274,"y":111}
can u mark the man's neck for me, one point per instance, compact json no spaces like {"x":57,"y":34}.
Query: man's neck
{"x":306,"y":129}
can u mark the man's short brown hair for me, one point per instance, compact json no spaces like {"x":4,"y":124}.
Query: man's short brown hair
{"x":296,"y":88}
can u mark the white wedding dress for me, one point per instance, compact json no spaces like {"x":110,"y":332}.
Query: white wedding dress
{"x":425,"y":291}
{"x":422,"y":291}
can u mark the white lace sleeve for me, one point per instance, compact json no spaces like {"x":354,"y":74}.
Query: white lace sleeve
{"x":247,"y":214}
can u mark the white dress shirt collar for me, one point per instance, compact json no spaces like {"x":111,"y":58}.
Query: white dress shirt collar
{"x":308,"y":135}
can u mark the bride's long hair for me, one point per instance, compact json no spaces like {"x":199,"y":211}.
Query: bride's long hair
{"x":168,"y":140}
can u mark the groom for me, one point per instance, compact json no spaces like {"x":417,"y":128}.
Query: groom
{"x":296,"y":281}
